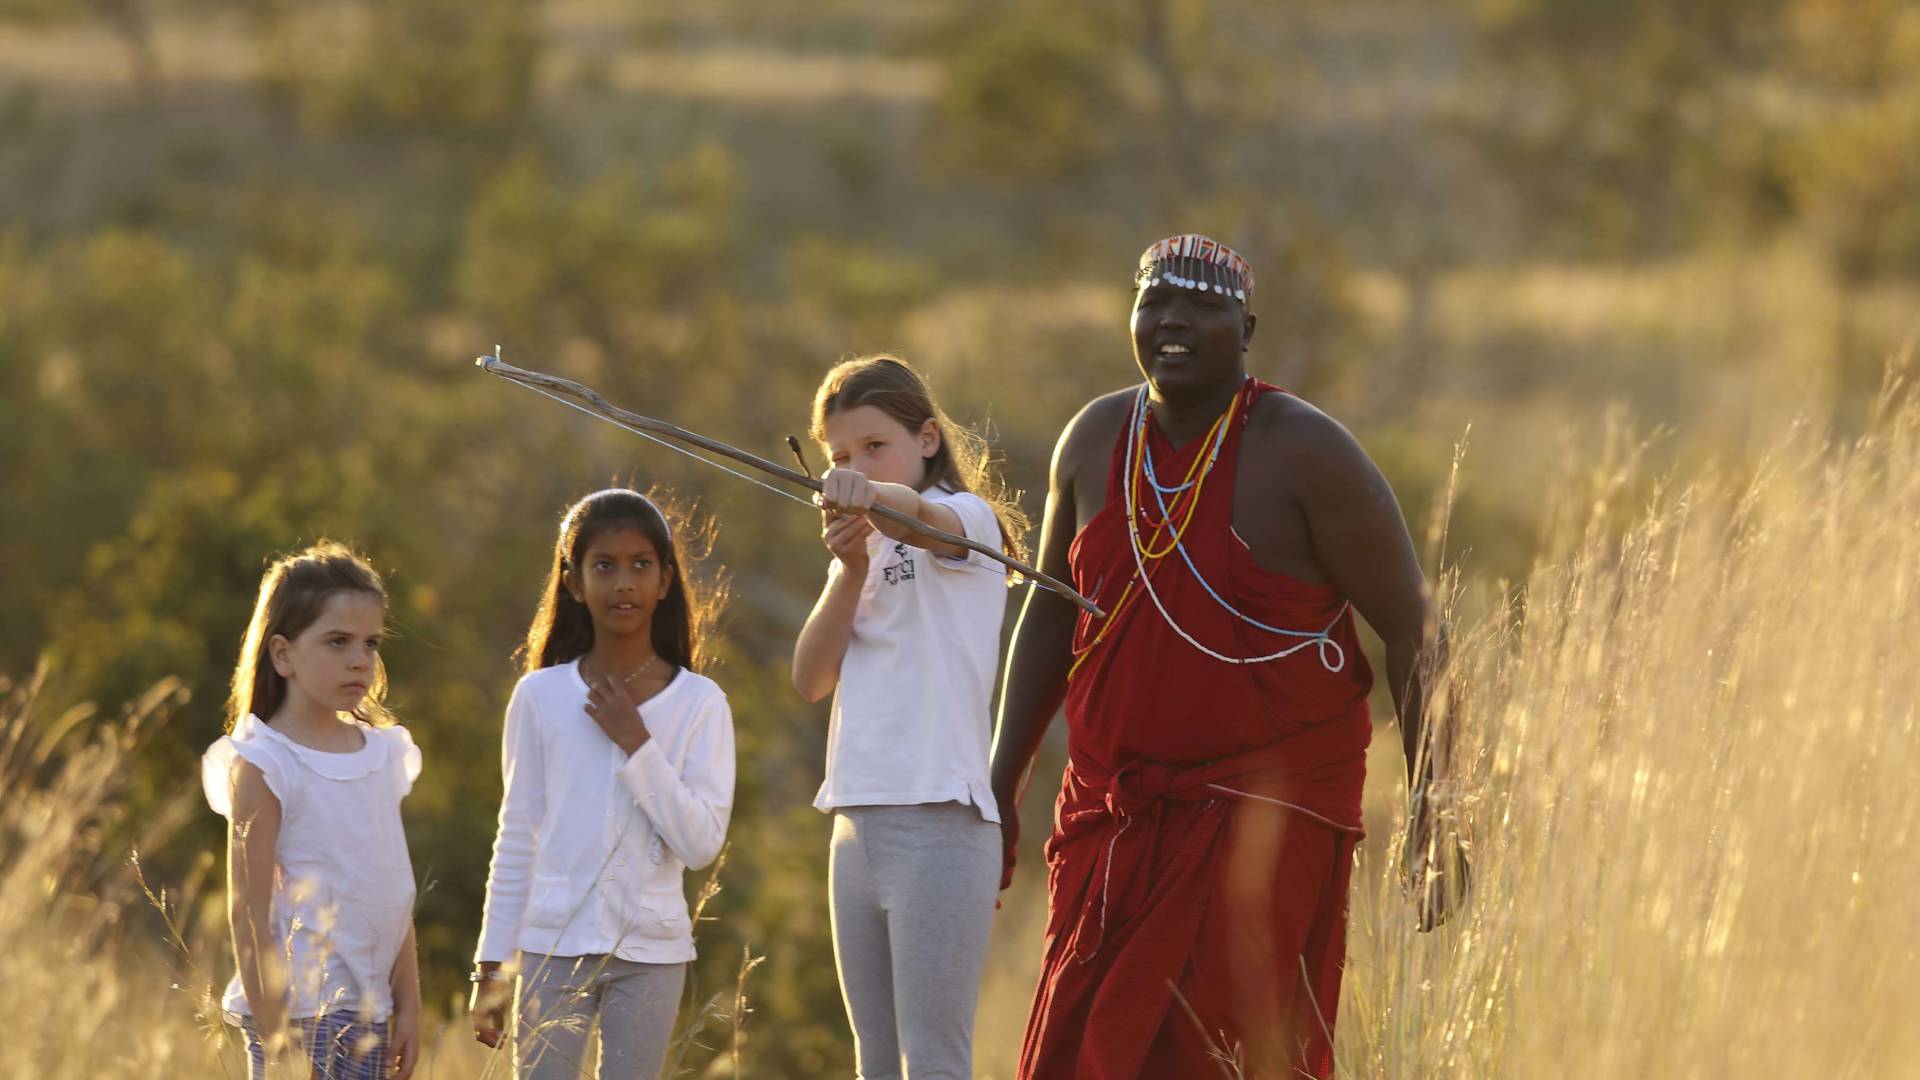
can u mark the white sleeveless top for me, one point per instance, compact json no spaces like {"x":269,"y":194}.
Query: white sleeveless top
{"x":343,"y":883}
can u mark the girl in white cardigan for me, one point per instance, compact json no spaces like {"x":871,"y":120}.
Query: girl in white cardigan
{"x":618,"y":767}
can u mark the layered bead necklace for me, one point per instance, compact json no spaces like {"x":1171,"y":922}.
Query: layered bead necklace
{"x":1140,"y":477}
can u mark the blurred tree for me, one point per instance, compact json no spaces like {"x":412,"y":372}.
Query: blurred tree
{"x":862,"y":293}
{"x":1629,"y":124}
{"x":36,"y":395}
{"x":1857,"y":179}
{"x":1033,"y":94}
{"x":1855,"y":172}
{"x":1040,"y":96}
{"x":608,"y":262}
{"x":129,"y":20}
{"x":1640,"y":126}
{"x":1310,"y":336}
{"x":443,"y":69}
{"x":1165,"y":47}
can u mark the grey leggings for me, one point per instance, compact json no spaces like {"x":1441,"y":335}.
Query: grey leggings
{"x":562,"y":996}
{"x":912,"y":894}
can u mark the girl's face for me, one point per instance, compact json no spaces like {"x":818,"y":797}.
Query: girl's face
{"x":332,"y":662}
{"x":619,"y":577}
{"x":879,"y":447}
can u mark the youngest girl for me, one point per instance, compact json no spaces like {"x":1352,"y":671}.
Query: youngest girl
{"x":310,"y":777}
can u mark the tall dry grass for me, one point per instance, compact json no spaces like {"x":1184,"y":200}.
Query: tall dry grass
{"x":1691,"y":753}
{"x":90,"y":989}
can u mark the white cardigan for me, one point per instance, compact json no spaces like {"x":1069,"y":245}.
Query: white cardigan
{"x":592,"y":843}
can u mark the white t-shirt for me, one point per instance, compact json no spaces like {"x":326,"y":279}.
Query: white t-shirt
{"x":911,"y":720}
{"x":592,"y":843}
{"x":343,"y":883}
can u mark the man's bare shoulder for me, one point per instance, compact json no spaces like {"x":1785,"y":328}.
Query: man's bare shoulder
{"x":1291,"y":438}
{"x":1106,"y":412}
{"x":1285,"y":423}
{"x":1094,"y":428}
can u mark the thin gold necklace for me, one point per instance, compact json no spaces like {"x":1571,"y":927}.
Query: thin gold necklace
{"x":636,"y":671}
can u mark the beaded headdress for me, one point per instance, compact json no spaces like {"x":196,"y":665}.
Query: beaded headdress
{"x":1192,"y":261}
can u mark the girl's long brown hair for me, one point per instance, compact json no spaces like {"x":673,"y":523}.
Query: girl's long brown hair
{"x":562,"y":628}
{"x":293,"y":592}
{"x":964,"y":461}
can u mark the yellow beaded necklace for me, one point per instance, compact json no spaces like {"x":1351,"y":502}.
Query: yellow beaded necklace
{"x":1190,"y":486}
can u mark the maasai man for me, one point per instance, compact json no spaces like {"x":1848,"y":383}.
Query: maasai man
{"x":1217,"y":719}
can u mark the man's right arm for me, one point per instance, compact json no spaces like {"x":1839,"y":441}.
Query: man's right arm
{"x":1038,"y":657}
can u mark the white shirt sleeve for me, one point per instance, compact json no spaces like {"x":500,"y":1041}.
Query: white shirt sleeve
{"x":977,"y":523}
{"x":522,"y":806}
{"x":216,"y":772}
{"x":410,"y":759}
{"x":691,"y":805}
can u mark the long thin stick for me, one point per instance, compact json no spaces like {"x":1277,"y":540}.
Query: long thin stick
{"x":554,"y":385}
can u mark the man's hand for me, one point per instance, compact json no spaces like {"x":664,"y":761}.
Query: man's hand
{"x":1009,"y":841}
{"x":614,"y":710}
{"x":1436,"y":871}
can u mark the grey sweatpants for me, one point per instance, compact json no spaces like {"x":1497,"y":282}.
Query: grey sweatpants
{"x":912,"y":891}
{"x":560,"y":998}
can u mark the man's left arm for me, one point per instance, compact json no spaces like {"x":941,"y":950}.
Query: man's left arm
{"x":1360,"y":540}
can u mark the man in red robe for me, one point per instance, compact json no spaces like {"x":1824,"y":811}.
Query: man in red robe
{"x":1217,"y":715}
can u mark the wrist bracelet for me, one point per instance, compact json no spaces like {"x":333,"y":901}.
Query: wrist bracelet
{"x":495,"y":975}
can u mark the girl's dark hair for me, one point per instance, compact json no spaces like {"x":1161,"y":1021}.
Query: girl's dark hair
{"x":293,"y":592}
{"x":562,"y":628}
{"x":964,"y":460}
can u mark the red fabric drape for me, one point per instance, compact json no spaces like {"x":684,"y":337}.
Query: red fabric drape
{"x":1204,"y":831}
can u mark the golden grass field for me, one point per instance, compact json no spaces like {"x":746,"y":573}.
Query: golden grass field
{"x":1687,"y":746}
{"x":1692,"y":738}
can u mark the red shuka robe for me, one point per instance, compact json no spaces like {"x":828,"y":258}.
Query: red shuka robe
{"x":1157,"y":877}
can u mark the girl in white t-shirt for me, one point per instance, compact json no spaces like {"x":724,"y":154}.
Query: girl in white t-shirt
{"x":310,"y":777}
{"x":906,"y":636}
{"x":618,"y":766}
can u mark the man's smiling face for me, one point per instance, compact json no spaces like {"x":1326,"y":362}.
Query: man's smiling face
{"x":1185,"y":338}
